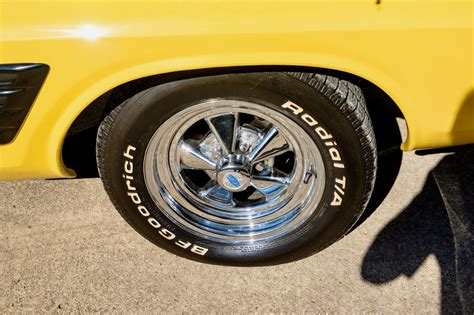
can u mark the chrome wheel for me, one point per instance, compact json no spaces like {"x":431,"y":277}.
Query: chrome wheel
{"x":234,"y":171}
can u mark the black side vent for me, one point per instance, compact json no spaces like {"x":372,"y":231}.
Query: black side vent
{"x":19,"y":85}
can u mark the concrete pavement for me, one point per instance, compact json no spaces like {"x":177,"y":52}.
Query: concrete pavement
{"x":63,"y":247}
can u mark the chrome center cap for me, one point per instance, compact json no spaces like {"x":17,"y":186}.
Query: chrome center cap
{"x":232,"y":180}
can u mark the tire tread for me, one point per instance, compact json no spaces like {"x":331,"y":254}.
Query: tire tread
{"x":349,"y":99}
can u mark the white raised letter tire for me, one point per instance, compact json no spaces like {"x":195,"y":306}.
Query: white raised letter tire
{"x":250,"y":168}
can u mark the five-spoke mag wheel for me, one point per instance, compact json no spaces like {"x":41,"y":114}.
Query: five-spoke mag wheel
{"x":234,"y":171}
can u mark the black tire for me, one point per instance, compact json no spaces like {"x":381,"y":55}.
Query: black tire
{"x":337,"y":105}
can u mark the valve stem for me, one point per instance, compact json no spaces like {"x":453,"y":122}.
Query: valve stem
{"x":309,"y":174}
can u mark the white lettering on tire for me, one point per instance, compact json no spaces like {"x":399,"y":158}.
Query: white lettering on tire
{"x":330,"y":143}
{"x":135,"y":198}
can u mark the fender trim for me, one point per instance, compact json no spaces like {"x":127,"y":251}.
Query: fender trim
{"x":19,"y":86}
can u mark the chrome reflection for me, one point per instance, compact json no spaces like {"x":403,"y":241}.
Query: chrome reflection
{"x":234,"y":171}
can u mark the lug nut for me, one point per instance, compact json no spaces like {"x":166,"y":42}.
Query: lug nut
{"x":259,"y":167}
{"x":243,"y":147}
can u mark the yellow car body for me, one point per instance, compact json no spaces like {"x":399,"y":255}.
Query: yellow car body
{"x":420,"y":53}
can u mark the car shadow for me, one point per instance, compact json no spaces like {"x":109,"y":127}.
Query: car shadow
{"x":439,"y":222}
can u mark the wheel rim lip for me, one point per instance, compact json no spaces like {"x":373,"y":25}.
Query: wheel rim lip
{"x":267,"y":221}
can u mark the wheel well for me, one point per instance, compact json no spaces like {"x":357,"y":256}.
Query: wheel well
{"x":79,"y":145}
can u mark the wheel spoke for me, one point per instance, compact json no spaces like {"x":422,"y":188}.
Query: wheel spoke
{"x":269,"y":184}
{"x":270,"y":155}
{"x":225,"y":128}
{"x":235,"y":131}
{"x":211,"y":173}
{"x":276,"y":147}
{"x":192,"y":158}
{"x":215,"y":192}
{"x":271,"y":145}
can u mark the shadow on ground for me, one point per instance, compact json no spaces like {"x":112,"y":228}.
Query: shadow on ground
{"x":439,"y":222}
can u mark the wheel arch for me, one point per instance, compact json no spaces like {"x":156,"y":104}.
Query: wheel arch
{"x":78,"y":150}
